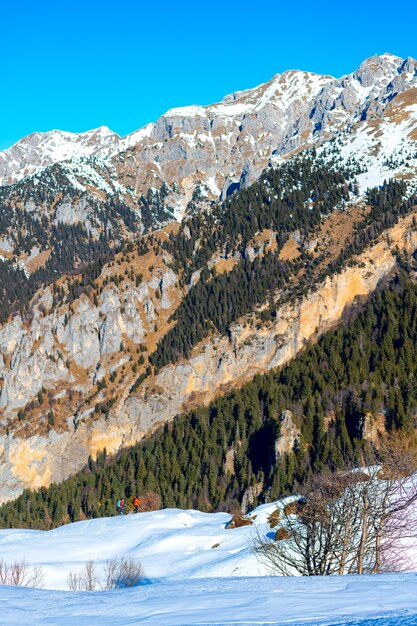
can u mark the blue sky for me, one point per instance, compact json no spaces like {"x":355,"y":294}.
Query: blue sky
{"x":78,"y":65}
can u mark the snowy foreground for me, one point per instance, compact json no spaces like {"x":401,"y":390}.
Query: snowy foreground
{"x":197,"y":572}
{"x":377,"y":601}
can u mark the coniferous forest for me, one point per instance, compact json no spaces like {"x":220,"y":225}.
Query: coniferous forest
{"x":218,"y":300}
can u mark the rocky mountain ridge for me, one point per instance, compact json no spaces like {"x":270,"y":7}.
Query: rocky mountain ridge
{"x":39,"y":150}
{"x":199,"y":154}
{"x":194,"y":155}
{"x":217,"y":146}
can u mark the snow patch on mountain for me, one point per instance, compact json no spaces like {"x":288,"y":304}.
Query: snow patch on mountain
{"x":382,"y":149}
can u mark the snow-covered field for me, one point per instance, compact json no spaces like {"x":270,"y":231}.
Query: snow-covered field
{"x":197,"y":572}
{"x":170,"y":544}
{"x":378,"y":600}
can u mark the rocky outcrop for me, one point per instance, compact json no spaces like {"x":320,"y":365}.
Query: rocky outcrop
{"x":229,"y":461}
{"x":289,"y":434}
{"x":40,"y":460}
{"x":373,"y":428}
{"x":250,"y":495}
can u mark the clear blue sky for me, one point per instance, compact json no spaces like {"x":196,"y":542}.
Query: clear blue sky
{"x":76,"y":64}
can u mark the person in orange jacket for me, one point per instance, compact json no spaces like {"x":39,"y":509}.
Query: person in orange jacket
{"x":136,"y":504}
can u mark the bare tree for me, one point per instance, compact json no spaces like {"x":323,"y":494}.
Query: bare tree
{"x":352,"y":520}
{"x":89,"y":576}
{"x":110,"y":573}
{"x":21,"y":574}
{"x":74,"y":581}
{"x":319,"y":535}
{"x":84,"y":580}
{"x":395,"y":518}
{"x":123,"y":572}
{"x":118,"y":573}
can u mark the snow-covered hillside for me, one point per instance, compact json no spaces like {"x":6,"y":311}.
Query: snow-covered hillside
{"x":170,"y":544}
{"x":197,"y":572}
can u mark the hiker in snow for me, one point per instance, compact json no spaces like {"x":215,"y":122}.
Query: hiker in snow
{"x":136,"y":504}
{"x":120,"y":506}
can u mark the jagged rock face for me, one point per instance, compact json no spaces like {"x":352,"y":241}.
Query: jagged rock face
{"x":75,"y":346}
{"x":221,"y":146}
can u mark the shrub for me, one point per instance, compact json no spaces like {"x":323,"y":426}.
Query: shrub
{"x":282,"y":534}
{"x":119,"y":573}
{"x":274,"y":518}
{"x":85,"y":580}
{"x":238,"y":521}
{"x":20,"y":574}
{"x":123,"y":572}
{"x":150,"y":501}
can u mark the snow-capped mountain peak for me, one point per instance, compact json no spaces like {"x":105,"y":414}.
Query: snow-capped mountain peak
{"x":41,"y":149}
{"x":281,"y":91}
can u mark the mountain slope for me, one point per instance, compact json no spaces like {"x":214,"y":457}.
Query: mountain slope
{"x":78,"y":372}
{"x":253,"y":443}
{"x":110,"y":326}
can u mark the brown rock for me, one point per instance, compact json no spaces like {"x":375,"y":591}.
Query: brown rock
{"x":238,"y":521}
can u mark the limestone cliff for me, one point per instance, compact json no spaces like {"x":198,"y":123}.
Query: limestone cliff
{"x":215,"y":365}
